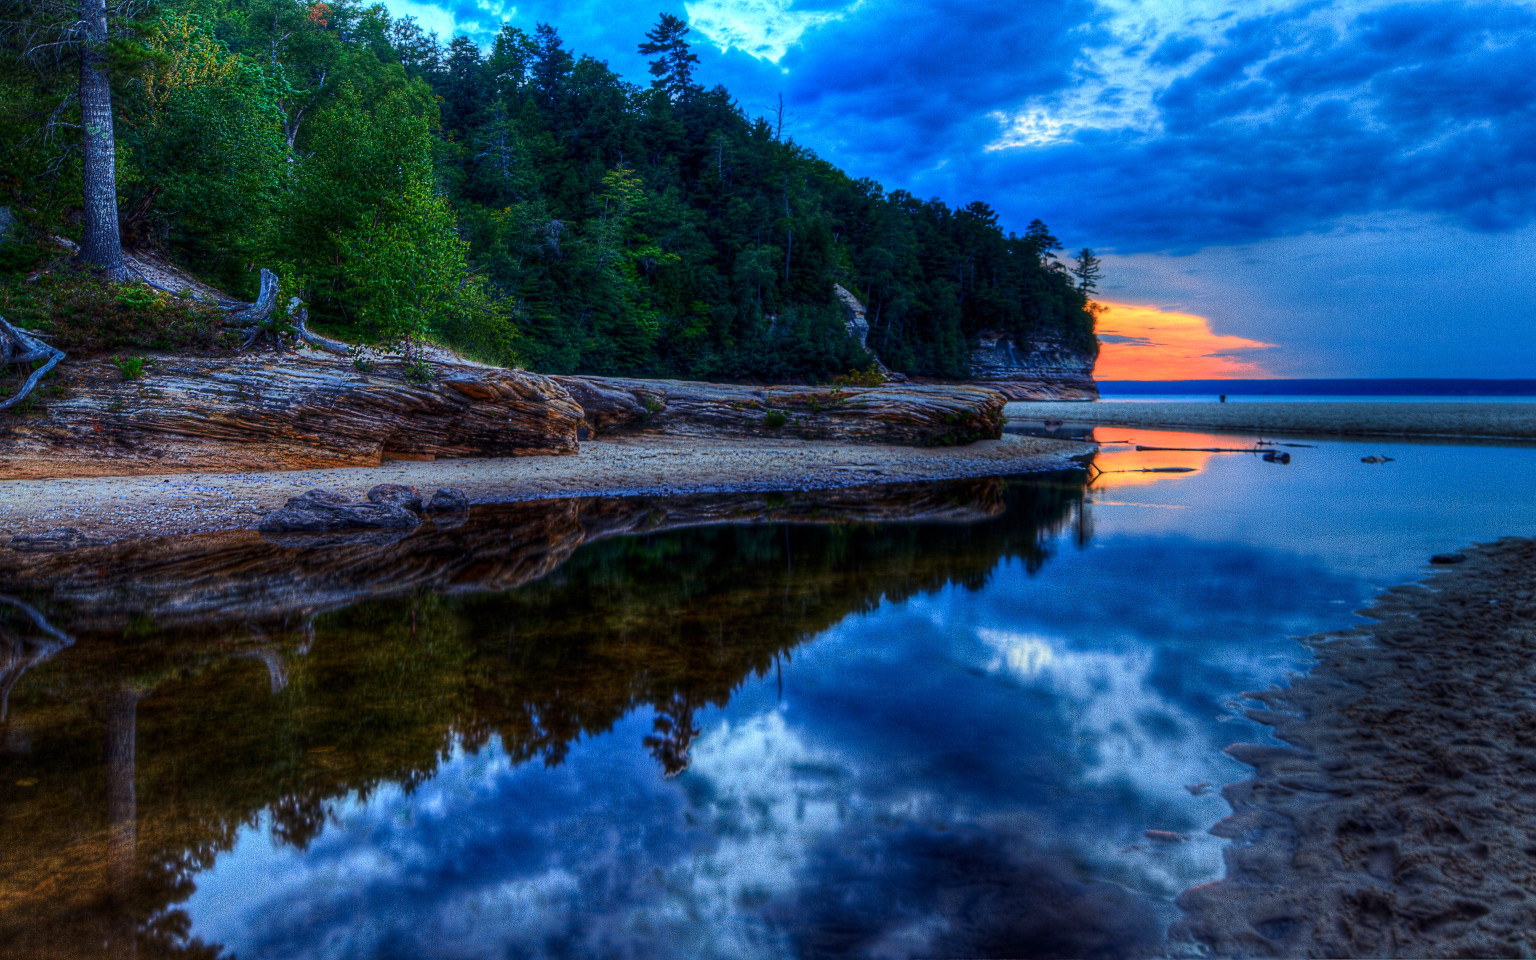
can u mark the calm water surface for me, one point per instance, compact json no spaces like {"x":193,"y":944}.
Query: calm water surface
{"x":907,"y":721}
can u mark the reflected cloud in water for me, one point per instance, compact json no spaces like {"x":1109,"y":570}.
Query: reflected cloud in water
{"x":891,"y":723}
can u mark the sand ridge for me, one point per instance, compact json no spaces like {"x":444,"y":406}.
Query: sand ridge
{"x":1402,"y":821}
{"x":114,"y":507}
{"x":1503,"y":421}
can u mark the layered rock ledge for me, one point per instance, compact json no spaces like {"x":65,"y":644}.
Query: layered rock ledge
{"x":202,"y":414}
{"x":926,"y":415}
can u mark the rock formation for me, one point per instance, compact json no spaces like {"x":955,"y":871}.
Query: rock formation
{"x":280,"y":412}
{"x":858,"y":329}
{"x":1032,"y":370}
{"x":929,"y":415}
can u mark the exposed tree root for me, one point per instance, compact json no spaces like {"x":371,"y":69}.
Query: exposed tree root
{"x":17,"y":346}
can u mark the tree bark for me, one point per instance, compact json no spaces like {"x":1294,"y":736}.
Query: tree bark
{"x":103,"y":246}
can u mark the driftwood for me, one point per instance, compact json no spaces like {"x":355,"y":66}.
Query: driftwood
{"x":254,"y":320}
{"x":18,"y":346}
{"x":256,"y":323}
{"x":1141,"y":448}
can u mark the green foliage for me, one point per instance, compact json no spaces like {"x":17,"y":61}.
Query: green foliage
{"x":870,"y":376}
{"x":132,"y":368}
{"x":85,"y":318}
{"x":525,"y":204}
{"x":775,"y":419}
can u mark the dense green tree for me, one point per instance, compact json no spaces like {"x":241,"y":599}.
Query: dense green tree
{"x":599,"y":225}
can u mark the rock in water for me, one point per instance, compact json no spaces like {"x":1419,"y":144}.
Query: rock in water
{"x":450,"y":500}
{"x":281,"y":412}
{"x":398,"y":494}
{"x":1443,"y":559}
{"x":317,"y":511}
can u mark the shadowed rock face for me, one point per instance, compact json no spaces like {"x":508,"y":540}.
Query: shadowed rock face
{"x":928,"y":415}
{"x":200,"y":414}
{"x":1024,"y":370}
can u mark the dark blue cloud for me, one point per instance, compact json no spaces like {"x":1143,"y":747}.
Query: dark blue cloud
{"x":1285,"y":130}
{"x":1278,"y":124}
{"x":1240,"y":129}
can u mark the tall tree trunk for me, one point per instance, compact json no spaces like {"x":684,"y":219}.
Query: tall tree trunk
{"x":103,"y":246}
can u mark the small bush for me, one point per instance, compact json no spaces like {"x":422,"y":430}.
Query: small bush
{"x":132,"y":368}
{"x":775,"y":419}
{"x":870,"y":376}
{"x":417,"y":370}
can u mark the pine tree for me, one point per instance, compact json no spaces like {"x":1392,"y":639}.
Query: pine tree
{"x":674,"y":63}
{"x":1086,"y":269}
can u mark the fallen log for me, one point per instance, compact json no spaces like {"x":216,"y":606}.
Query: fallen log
{"x":1140,"y":448}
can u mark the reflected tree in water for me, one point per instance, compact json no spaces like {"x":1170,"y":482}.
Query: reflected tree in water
{"x":135,"y":757}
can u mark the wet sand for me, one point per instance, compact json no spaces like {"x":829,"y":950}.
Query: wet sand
{"x":1505,"y":421}
{"x":113,"y":507}
{"x":1403,"y":822}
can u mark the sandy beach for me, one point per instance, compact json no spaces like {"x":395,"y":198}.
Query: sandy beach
{"x":112,"y":507}
{"x":1403,"y":821}
{"x":1501,"y":421}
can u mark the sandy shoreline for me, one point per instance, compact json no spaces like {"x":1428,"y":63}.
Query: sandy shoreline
{"x":1404,"y":821}
{"x":113,"y":507}
{"x":1502,"y":421}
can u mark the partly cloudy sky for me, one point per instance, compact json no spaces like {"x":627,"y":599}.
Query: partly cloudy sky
{"x":1351,"y":182}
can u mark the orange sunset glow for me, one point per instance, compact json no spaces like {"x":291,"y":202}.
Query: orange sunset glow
{"x":1146,"y":343}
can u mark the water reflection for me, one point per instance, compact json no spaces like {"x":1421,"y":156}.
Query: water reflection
{"x":165,"y":694}
{"x":902,"y":722}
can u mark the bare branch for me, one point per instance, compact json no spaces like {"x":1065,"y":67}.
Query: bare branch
{"x":22,"y":347}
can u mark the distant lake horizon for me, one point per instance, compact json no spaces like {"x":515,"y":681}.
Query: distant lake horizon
{"x":1418,"y":390}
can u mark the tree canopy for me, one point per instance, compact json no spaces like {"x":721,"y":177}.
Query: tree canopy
{"x":521,"y":202}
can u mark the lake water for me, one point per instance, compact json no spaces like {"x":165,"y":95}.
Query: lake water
{"x":910,"y":721}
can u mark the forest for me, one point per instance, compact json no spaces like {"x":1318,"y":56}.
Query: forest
{"x":520,"y":202}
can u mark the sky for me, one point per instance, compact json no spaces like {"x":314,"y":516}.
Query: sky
{"x":1350,"y":184}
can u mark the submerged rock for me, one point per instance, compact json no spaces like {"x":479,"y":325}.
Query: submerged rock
{"x":450,"y":500}
{"x":321,"y":510}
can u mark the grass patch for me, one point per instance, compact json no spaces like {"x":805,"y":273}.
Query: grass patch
{"x":85,"y":317}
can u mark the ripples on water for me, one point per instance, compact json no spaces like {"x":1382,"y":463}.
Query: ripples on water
{"x":900,"y":721}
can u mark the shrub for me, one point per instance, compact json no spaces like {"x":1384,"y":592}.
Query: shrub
{"x":84,"y":317}
{"x":132,"y":368}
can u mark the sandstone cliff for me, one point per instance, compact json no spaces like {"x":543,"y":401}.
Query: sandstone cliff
{"x":929,"y":415}
{"x":1041,"y":369}
{"x":280,"y":412}
{"x":1032,"y":370}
